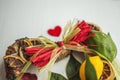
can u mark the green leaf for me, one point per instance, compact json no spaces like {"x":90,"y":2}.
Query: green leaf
{"x":75,"y":77}
{"x":102,"y":43}
{"x":56,"y":76}
{"x":90,"y":72}
{"x":72,"y":69}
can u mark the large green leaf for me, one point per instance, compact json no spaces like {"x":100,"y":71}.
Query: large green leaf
{"x":90,"y":72}
{"x":72,"y":69}
{"x":56,"y":76}
{"x":102,"y":43}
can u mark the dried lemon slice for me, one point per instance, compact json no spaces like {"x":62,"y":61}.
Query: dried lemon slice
{"x":26,"y":43}
{"x":108,"y":73}
{"x":14,"y":61}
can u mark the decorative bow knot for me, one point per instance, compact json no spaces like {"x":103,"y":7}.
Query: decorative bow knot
{"x":73,"y":37}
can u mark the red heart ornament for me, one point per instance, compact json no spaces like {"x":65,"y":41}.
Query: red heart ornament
{"x":55,"y":32}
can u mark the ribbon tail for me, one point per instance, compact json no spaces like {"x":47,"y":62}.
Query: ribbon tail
{"x":50,"y":64}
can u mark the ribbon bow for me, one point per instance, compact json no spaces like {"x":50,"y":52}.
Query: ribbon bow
{"x":74,"y":35}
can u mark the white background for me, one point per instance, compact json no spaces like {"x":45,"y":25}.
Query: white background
{"x":20,"y":18}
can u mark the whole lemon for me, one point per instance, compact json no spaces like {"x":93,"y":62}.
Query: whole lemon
{"x":98,"y":66}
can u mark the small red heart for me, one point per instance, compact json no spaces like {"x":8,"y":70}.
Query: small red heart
{"x":55,"y":32}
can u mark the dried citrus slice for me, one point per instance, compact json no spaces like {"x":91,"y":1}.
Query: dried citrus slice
{"x":26,"y":43}
{"x":108,"y":73}
{"x":13,"y":61}
{"x":22,"y":54}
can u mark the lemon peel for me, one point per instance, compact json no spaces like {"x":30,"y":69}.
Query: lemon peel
{"x":98,"y":65}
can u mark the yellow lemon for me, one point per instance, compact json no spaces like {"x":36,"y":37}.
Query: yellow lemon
{"x":98,"y":65}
